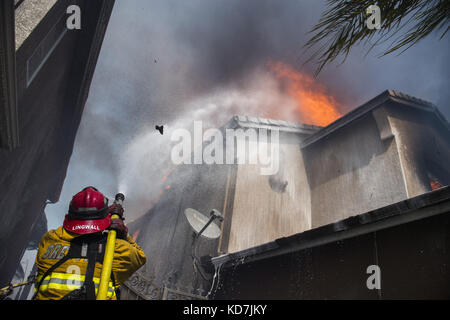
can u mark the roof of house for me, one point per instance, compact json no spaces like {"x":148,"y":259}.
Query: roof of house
{"x":357,"y":113}
{"x":316,"y":133}
{"x":239,"y":121}
{"x":419,"y":207}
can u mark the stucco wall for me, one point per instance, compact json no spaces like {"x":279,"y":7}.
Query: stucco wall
{"x":383,"y":157}
{"x":353,"y":171}
{"x":263,"y":210}
{"x":423,"y":145}
{"x":28,"y":16}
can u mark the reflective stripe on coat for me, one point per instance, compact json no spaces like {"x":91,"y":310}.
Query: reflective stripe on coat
{"x":69,"y":276}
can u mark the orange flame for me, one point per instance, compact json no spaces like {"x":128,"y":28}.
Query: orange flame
{"x":164,"y":178}
{"x":435,"y":184}
{"x":165,"y":188}
{"x":313,"y":104}
{"x":135,"y":235}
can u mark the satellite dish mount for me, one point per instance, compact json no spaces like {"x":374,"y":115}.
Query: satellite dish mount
{"x":202,"y":227}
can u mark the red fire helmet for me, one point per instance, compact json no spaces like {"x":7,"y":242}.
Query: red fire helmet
{"x":88,"y":212}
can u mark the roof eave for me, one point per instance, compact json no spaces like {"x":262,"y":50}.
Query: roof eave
{"x":409,"y":210}
{"x":239,"y":121}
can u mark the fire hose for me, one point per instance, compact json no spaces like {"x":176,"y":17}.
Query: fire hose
{"x":6,"y":291}
{"x":109,"y":255}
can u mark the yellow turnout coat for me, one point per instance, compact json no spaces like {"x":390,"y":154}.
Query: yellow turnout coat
{"x":69,"y":276}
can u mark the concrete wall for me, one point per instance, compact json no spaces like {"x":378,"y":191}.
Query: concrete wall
{"x":264,"y":208}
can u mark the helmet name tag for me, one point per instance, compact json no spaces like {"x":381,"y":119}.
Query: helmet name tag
{"x":90,"y":227}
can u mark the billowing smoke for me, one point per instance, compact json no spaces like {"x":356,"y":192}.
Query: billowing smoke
{"x":173,"y":61}
{"x":146,"y":158}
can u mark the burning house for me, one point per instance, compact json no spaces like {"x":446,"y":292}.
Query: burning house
{"x":369,"y":189}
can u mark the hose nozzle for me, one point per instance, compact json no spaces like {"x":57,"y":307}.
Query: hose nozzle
{"x":119,"y":199}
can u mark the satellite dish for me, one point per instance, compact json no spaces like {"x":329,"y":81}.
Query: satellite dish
{"x":198,"y":221}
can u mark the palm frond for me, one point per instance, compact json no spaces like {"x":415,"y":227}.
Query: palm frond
{"x":342,"y":25}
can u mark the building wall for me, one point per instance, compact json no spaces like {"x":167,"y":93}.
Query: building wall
{"x":385,"y":156}
{"x":28,"y":15}
{"x":352,"y":171}
{"x":50,"y":109}
{"x":9,"y":122}
{"x":265,"y":209}
{"x":424,"y":148}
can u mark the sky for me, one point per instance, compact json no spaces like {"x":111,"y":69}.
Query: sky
{"x":173,"y":61}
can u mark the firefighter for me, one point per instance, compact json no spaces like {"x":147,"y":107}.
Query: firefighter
{"x":69,"y":258}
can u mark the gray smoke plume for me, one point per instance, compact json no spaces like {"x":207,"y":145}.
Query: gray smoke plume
{"x":173,"y":61}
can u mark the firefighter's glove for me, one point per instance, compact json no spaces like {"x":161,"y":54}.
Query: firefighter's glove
{"x":5,"y":292}
{"x":116,"y":209}
{"x":120,"y":227}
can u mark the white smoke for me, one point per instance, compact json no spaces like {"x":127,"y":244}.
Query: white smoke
{"x":146,"y":159}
